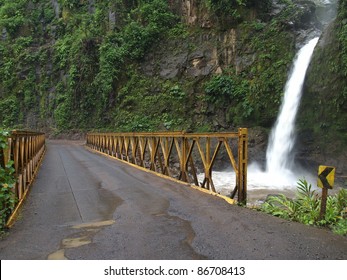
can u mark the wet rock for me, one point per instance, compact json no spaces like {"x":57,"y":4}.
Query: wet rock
{"x":168,"y":64}
{"x":91,"y":6}
{"x":4,"y":34}
{"x":257,"y":144}
{"x":326,"y":10}
{"x":305,"y":16}
{"x":242,"y":62}
{"x":277,"y":7}
{"x":111,"y":19}
{"x":56,"y":8}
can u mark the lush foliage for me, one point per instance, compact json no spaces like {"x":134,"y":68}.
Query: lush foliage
{"x":326,"y":90}
{"x":12,"y":15}
{"x":70,"y":65}
{"x":306,"y":208}
{"x":7,"y":198}
{"x":234,"y":10}
{"x":342,"y":37}
{"x":230,"y":92}
{"x":253,"y":95}
{"x":141,"y":110}
{"x":220,"y":89}
{"x":65,"y":66}
{"x":226,"y":7}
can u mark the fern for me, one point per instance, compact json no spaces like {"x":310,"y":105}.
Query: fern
{"x":306,"y":208}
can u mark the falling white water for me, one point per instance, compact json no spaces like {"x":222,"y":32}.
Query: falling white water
{"x":279,"y":172}
{"x":282,"y":138}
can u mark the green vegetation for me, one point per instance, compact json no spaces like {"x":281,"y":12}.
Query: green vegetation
{"x":148,"y":105}
{"x":74,"y":79}
{"x":84,"y":65}
{"x":225,"y":8}
{"x":324,"y":105}
{"x":257,"y":88}
{"x":235,"y":11}
{"x":220,"y":89}
{"x":78,"y":67}
{"x":92,"y":91}
{"x":306,"y":208}
{"x":342,"y":38}
{"x":7,"y":180}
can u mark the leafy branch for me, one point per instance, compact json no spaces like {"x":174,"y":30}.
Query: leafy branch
{"x":7,"y":183}
{"x":306,"y":208}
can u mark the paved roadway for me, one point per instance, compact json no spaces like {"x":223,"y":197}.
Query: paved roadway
{"x":86,"y":206}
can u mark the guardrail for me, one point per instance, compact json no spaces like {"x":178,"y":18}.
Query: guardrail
{"x":161,"y":151}
{"x":25,"y":149}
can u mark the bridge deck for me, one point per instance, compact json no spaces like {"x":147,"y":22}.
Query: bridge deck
{"x":86,"y":206}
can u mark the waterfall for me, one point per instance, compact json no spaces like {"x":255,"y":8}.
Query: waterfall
{"x":279,"y":173}
{"x":282,"y":138}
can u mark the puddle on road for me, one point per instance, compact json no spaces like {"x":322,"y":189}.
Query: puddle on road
{"x":95,"y":225}
{"x":84,"y":238}
{"x":58,"y":255}
{"x":187,"y":242}
{"x":76,"y":242}
{"x":188,"y":230}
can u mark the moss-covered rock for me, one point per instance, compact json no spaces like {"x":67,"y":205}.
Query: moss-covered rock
{"x":323,"y":112}
{"x":147,"y":65}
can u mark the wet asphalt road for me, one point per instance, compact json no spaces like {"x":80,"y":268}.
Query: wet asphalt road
{"x":86,"y":206}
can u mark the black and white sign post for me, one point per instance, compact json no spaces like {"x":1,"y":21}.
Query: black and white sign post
{"x":326,"y":175}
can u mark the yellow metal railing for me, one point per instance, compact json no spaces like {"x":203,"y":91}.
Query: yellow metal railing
{"x":180,"y":155}
{"x":25,"y":149}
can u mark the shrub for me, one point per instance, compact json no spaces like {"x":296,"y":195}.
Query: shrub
{"x":7,"y":181}
{"x":306,"y":208}
{"x":220,"y":89}
{"x":9,"y":108}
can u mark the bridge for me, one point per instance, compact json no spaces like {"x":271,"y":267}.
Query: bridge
{"x":103,"y":199}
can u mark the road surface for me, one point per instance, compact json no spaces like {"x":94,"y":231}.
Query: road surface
{"x":86,"y":206}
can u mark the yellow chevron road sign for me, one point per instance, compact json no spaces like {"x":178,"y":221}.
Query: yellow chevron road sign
{"x":326,"y":176}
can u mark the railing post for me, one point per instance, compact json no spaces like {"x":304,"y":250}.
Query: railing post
{"x":160,"y":146}
{"x":26,"y":149}
{"x":183,"y":163}
{"x":7,"y":152}
{"x":242,"y":166}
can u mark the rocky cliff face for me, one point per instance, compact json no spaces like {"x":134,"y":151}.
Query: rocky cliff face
{"x":64,"y":39}
{"x":243,"y":50}
{"x":323,"y":113}
{"x":198,"y":66}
